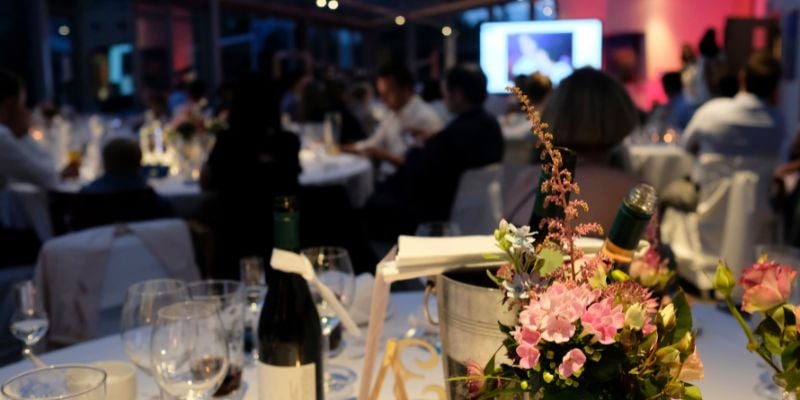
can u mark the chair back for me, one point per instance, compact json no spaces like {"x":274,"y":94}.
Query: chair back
{"x":478,"y":204}
{"x":71,"y":212}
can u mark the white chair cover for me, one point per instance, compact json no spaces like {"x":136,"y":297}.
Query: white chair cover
{"x":724,"y":226}
{"x":84,"y":276}
{"x":478,"y":204}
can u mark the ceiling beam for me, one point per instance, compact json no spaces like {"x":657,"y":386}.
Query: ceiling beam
{"x":451,"y":7}
{"x":376,"y":9}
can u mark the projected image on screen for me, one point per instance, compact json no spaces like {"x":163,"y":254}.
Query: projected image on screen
{"x":552,"y":48}
{"x":547,"y":53}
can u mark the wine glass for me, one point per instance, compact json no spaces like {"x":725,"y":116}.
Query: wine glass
{"x":57,"y":382}
{"x":139,"y":313}
{"x":189,"y":350}
{"x":333,"y":268}
{"x":252,"y":275}
{"x":228,"y":298}
{"x":29,"y":321}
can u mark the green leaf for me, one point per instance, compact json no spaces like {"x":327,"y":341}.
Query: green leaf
{"x":683,"y":317}
{"x":691,"y":392}
{"x":790,"y":358}
{"x":497,"y":280}
{"x":552,"y":260}
{"x":489,"y":369}
{"x":772,"y":335}
{"x":792,"y":379}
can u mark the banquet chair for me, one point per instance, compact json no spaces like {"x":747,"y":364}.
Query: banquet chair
{"x":71,"y":212}
{"x":478,"y":203}
{"x":724,"y":227}
{"x":84,"y":276}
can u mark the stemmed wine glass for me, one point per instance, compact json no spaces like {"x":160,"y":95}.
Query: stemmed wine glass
{"x":29,"y":322}
{"x":333,"y":268}
{"x":139,"y":313}
{"x":189,"y":350}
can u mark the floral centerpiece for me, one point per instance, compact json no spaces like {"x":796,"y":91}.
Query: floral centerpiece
{"x":585,"y":330}
{"x":767,"y":288}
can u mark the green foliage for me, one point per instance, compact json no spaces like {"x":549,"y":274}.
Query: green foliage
{"x":548,"y":261}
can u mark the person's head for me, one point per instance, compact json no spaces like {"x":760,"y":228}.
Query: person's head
{"x":395,"y":86}
{"x":761,"y":75}
{"x":708,"y":44}
{"x":13,"y":112}
{"x":590,"y":112}
{"x":157,"y":103}
{"x":672,"y":84}
{"x":538,"y":86}
{"x":122,"y":156}
{"x":432,"y":90}
{"x":360,"y":93}
{"x":255,"y":106}
{"x":465,"y":88}
{"x":687,"y":54}
{"x":527,"y":45}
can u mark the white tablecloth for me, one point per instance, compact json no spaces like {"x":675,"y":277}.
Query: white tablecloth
{"x":731,"y":372}
{"x":659,"y":164}
{"x":351,"y":171}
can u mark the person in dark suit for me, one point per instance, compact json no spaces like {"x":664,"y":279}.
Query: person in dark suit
{"x":426,"y":183}
{"x":253,"y":161}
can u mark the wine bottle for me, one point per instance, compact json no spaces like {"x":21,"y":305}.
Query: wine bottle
{"x":290,"y":354}
{"x":630,"y":223}
{"x":540,"y":212}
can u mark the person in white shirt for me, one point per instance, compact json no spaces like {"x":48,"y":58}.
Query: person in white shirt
{"x":20,"y":158}
{"x":399,"y":128}
{"x":747,"y":125}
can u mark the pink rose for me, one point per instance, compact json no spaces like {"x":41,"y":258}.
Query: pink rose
{"x":603,"y":321}
{"x":571,"y":363}
{"x":766,"y":286}
{"x":475,"y":382}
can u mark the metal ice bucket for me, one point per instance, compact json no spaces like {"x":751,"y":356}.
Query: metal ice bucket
{"x":469,"y":307}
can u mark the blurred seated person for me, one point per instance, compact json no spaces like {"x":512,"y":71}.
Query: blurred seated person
{"x":746,"y":132}
{"x":350,"y":129}
{"x":359,"y":100}
{"x":425,"y":185}
{"x":21,"y":158}
{"x":591,"y":113}
{"x":253,"y":161}
{"x":432,"y":94}
{"x":122,"y":160}
{"x":408,"y":114}
{"x":677,"y":112}
{"x":295,"y":82}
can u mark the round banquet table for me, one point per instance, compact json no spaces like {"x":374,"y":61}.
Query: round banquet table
{"x":349,"y":170}
{"x":658,"y":164}
{"x":730,"y":371}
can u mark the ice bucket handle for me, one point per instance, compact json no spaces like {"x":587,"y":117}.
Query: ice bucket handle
{"x":430,"y":288}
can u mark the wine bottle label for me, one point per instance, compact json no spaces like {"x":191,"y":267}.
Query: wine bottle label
{"x":279,"y":383}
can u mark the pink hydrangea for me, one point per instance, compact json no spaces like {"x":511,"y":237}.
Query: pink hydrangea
{"x":603,"y":320}
{"x":571,"y":363}
{"x":554,"y":312}
{"x":528,"y":353}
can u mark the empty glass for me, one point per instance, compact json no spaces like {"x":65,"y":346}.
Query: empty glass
{"x":188,"y":350}
{"x":29,"y":321}
{"x":252,"y":275}
{"x":139,"y":313}
{"x":58,"y":382}
{"x":228,"y":298}
{"x":333,"y":268}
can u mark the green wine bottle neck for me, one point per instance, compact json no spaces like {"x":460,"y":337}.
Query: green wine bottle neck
{"x":286,"y":224}
{"x":632,"y":218}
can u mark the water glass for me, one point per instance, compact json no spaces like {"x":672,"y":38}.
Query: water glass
{"x":76,"y":382}
{"x":333,"y":268}
{"x":189,"y":350}
{"x":229,"y":299}
{"x":139,"y":313}
{"x":252,"y":276}
{"x":29,"y":321}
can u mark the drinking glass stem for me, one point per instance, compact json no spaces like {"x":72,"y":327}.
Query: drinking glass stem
{"x":27,"y":352}
{"x":326,"y":349}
